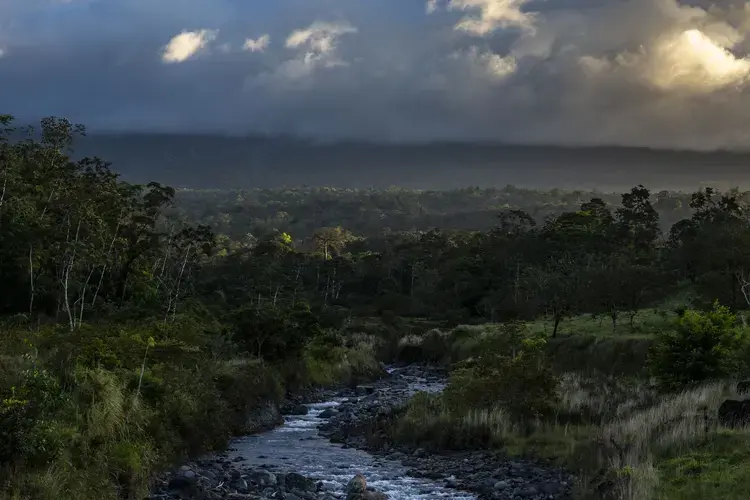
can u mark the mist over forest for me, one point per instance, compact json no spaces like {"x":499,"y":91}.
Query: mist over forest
{"x":221,"y":162}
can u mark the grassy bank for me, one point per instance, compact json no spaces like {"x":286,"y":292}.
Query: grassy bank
{"x":96,"y":412}
{"x":585,"y":344}
{"x":631,"y":445}
{"x":614,"y":409}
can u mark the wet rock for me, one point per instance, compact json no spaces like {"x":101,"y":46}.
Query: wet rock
{"x":357,"y":489}
{"x":237,"y":484}
{"x":356,"y":486}
{"x":294,"y":481}
{"x":330,"y":412}
{"x":294,"y":409}
{"x":263,"y":478}
{"x":374,"y":495}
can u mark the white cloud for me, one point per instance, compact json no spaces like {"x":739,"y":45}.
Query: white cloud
{"x":259,"y":44}
{"x":318,"y":44}
{"x":689,"y":61}
{"x":187,"y":44}
{"x":316,"y":48}
{"x":488,"y":63}
{"x":489,"y":15}
{"x":320,"y":37}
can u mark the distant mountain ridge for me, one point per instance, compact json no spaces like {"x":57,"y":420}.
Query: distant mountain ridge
{"x":216,"y":161}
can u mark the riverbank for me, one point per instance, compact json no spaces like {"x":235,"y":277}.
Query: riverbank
{"x":131,"y":405}
{"x":330,"y":435}
{"x":363,"y":420}
{"x":230,"y":475}
{"x":221,"y":478}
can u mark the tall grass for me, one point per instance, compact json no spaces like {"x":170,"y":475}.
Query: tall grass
{"x":614,"y":434}
{"x":82,"y":416}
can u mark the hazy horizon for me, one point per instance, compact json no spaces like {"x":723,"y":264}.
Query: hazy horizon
{"x":212,"y":161}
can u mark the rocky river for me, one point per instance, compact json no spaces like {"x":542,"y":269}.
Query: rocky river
{"x":321,"y":446}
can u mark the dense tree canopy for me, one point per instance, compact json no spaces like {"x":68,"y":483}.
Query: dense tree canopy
{"x":76,"y":238}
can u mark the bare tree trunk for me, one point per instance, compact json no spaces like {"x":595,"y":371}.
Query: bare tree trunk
{"x":106,"y":262}
{"x":83,"y":297}
{"x":66,"y":296}
{"x":143,"y":370}
{"x":558,"y":319}
{"x":179,"y":282}
{"x":613,"y":315}
{"x":5,"y":184}
{"x":46,"y":205}
{"x":66,"y":301}
{"x":31,"y":279}
{"x":744,"y":284}
{"x":99,"y":285}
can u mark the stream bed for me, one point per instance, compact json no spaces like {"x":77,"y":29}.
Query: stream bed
{"x":297,"y":446}
{"x":313,"y":455}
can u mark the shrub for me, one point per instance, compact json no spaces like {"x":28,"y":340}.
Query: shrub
{"x":435,"y":346}
{"x":509,"y":371}
{"x":331,"y":359}
{"x":523,"y":385}
{"x":703,"y":346}
{"x":275,"y":333}
{"x":27,"y":427}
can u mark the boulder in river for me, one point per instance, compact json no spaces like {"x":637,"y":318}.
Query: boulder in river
{"x":357,"y":490}
{"x":330,"y":412}
{"x":294,"y":409}
{"x":294,"y":481}
{"x":357,"y":485}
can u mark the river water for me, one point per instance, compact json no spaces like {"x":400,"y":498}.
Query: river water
{"x":297,"y":446}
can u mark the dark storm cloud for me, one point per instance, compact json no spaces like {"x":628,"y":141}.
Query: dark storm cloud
{"x":645,"y":72}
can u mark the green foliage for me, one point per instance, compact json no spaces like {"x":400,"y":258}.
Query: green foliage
{"x":523,"y":385}
{"x":330,"y":359}
{"x":65,"y":411}
{"x":703,"y":346}
{"x":719,"y":468}
{"x":503,"y":383}
{"x":27,"y":412}
{"x":274,"y":332}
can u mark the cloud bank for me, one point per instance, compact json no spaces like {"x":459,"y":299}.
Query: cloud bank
{"x":662,"y":73}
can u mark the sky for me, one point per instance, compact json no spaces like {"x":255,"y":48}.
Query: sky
{"x":659,"y":73}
